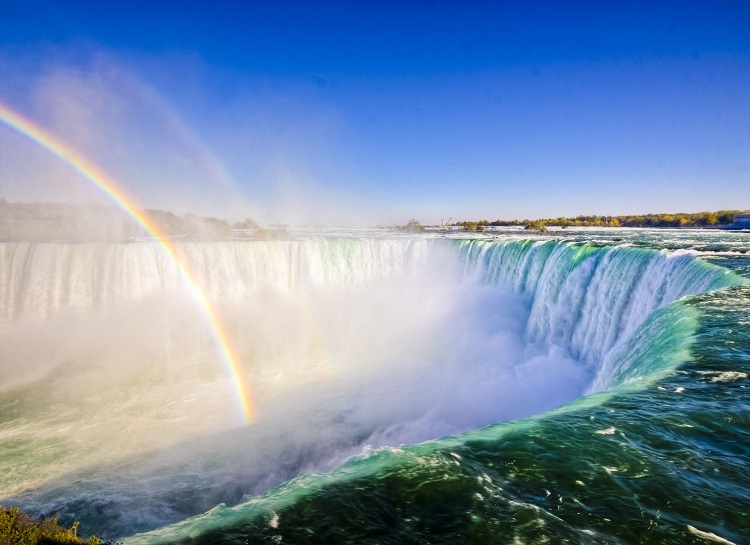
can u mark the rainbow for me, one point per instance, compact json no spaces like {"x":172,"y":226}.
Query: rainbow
{"x":111,"y":189}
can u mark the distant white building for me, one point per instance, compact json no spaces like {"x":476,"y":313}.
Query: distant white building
{"x":742,"y":221}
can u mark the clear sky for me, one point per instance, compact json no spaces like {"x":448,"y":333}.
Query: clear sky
{"x":377,"y":112}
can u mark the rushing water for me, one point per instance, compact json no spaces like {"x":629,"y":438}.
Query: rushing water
{"x":590,"y":386}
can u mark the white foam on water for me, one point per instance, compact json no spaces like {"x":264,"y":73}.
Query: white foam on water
{"x":709,"y":535}
{"x":729,"y":376}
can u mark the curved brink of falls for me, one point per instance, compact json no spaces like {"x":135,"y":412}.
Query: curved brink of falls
{"x":611,"y":316}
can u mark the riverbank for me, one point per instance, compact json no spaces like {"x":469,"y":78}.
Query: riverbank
{"x":17,"y":528}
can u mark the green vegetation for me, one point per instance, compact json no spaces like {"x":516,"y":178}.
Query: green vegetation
{"x":249,"y":223}
{"x":536,"y":225}
{"x":59,"y":221}
{"x":474,"y":226}
{"x":204,"y":228}
{"x":412,"y":225}
{"x":20,"y":529}
{"x":98,"y":222}
{"x":698,"y":219}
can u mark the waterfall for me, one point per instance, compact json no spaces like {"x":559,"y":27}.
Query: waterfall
{"x":584,"y":298}
{"x":591,"y":299}
{"x":109,"y":377}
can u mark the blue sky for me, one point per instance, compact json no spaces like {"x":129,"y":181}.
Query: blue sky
{"x":377,"y":112}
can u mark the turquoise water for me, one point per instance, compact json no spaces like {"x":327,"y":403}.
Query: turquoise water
{"x":646,"y":338}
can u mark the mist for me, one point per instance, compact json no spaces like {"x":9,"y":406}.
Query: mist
{"x":121,"y":387}
{"x":271,"y":156}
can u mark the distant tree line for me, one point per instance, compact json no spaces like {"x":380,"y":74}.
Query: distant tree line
{"x":83,"y":222}
{"x":61,"y":221}
{"x":698,"y":219}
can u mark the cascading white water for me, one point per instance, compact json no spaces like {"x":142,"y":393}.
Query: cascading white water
{"x":39,"y":279}
{"x":347,"y":343}
{"x":589,"y":299}
{"x":579,"y":299}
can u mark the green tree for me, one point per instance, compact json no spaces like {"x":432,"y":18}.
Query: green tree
{"x":536,"y":225}
{"x":412,"y":225}
{"x":473,"y":226}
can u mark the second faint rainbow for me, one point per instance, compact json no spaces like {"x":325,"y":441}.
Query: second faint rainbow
{"x":113,"y":190}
